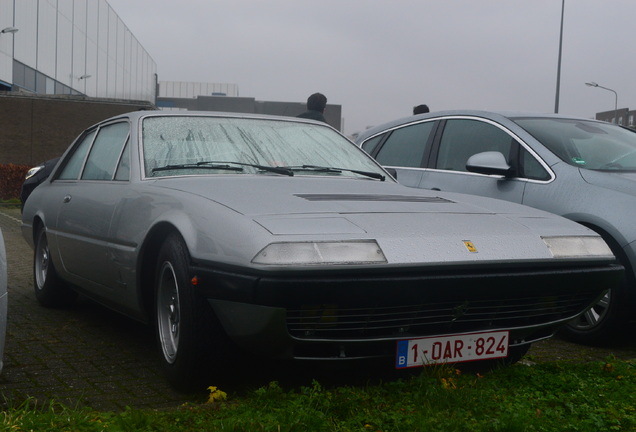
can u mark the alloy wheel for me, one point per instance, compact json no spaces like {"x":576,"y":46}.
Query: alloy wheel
{"x":168,"y":312}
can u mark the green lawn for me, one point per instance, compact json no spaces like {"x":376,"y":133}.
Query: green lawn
{"x":595,"y":396}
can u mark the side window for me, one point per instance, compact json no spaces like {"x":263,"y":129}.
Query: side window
{"x":463,"y":138}
{"x":405,"y":147}
{"x":106,"y":151}
{"x":74,"y":162}
{"x":370,"y":145}
{"x":123,"y":170}
{"x":531,"y":168}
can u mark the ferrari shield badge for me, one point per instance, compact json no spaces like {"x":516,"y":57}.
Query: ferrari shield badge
{"x":470,"y":246}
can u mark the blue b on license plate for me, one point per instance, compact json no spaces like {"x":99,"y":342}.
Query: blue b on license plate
{"x":452,"y":349}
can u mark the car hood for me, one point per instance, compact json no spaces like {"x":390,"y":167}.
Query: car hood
{"x":267,"y":196}
{"x":411,"y":225}
{"x":617,"y":181}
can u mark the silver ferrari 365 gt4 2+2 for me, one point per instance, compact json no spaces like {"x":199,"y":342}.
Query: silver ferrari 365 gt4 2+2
{"x":271,"y":237}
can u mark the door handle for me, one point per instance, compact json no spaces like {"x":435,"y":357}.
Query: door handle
{"x":436,"y":189}
{"x":67,"y":199}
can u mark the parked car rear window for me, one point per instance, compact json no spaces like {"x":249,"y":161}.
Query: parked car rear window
{"x":406,"y":146}
{"x":75,"y":162}
{"x":105,"y":153}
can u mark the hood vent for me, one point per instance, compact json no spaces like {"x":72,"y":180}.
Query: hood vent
{"x":376,"y":198}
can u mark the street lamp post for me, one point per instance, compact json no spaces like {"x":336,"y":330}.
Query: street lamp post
{"x":558,"y":83}
{"x":593,"y":84}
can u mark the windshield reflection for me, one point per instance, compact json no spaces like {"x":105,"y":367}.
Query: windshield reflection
{"x":586,"y":144}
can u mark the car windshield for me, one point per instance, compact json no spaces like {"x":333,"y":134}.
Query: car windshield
{"x":586,"y":144}
{"x":196,"y":145}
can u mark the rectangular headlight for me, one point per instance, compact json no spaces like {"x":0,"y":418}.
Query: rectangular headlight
{"x":578,"y":247}
{"x":313,"y":253}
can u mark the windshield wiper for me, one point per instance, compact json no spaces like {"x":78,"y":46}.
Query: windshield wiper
{"x":337,"y":170}
{"x":222,"y":165}
{"x":197,"y":166}
{"x":277,"y":170}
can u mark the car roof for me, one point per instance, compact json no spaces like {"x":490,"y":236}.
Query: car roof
{"x":492,"y":115}
{"x":136,"y":115}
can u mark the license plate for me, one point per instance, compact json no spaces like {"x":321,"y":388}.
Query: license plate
{"x":451,"y":349}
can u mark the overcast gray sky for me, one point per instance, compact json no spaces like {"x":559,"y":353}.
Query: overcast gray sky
{"x":379,"y":58}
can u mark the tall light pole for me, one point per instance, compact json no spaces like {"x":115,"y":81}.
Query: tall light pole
{"x":593,"y":84}
{"x":558,"y":84}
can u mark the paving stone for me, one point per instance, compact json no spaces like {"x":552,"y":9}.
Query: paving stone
{"x":84,"y":355}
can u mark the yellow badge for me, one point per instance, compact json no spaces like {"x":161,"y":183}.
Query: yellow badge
{"x":470,"y":246}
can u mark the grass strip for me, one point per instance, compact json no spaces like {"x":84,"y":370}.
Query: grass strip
{"x":557,"y":396}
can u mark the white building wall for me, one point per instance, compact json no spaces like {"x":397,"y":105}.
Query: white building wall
{"x":64,"y":48}
{"x":80,"y":40}
{"x":81,"y":44}
{"x":26,"y":39}
{"x":92,"y":49}
{"x":6,"y":43}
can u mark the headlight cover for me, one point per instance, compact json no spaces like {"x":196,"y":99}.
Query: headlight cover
{"x":578,"y":247}
{"x":316,"y":253}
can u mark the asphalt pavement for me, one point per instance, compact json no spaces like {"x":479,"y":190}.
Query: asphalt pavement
{"x":87,"y":355}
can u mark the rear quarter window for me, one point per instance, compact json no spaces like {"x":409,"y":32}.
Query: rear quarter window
{"x":406,"y":146}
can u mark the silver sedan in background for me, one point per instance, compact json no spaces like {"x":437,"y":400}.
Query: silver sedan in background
{"x":582,"y":169}
{"x":246,"y":237}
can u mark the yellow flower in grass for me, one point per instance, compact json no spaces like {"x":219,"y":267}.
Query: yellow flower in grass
{"x":448,"y":383}
{"x":216,"y":395}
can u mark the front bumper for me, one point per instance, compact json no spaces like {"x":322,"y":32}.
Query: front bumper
{"x":346,"y":317}
{"x":266,"y":333}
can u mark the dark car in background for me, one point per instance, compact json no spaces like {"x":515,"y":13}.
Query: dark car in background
{"x":35,"y":176}
{"x":582,"y":169}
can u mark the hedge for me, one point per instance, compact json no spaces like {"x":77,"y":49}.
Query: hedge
{"x":11,"y":179}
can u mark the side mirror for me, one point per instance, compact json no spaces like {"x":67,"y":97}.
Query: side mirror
{"x":490,"y":162}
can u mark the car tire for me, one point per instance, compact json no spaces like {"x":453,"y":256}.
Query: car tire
{"x":603,"y":322}
{"x":516,"y":353}
{"x":599,"y":325}
{"x":191,"y":342}
{"x":50,"y":290}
